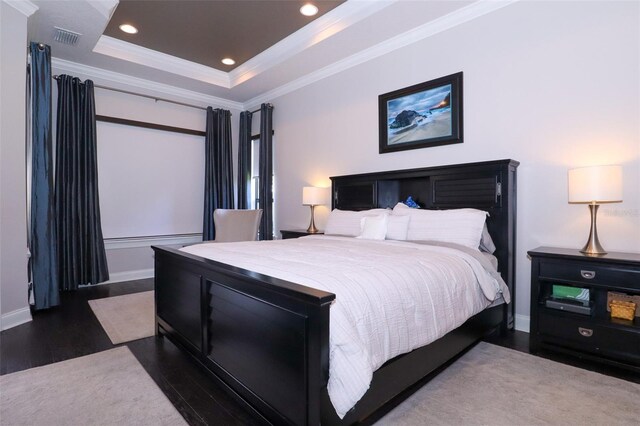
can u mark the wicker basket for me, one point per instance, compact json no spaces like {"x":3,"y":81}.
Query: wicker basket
{"x":623,"y":310}
{"x":623,"y":297}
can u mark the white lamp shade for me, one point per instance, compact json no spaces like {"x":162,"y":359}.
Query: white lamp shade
{"x":313,"y":196}
{"x":597,"y":184}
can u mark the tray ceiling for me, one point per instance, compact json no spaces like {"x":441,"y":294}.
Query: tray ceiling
{"x":186,"y":66}
{"x":205,"y":32}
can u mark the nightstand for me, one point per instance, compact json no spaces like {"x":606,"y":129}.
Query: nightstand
{"x":583,"y":326}
{"x":297,"y":233}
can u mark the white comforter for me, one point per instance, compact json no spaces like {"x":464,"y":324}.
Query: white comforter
{"x":391,"y":296}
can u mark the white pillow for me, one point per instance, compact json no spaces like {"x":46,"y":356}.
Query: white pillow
{"x":374,"y":227}
{"x":397,"y":227}
{"x":486,"y":242}
{"x":459,"y":226}
{"x":347,"y":222}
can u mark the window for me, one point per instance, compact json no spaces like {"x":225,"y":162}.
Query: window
{"x":255,"y":175}
{"x":255,"y":172}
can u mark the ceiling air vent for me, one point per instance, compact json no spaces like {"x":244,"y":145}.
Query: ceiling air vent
{"x":65,"y":36}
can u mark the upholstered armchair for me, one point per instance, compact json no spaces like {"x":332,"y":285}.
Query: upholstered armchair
{"x":236,"y":225}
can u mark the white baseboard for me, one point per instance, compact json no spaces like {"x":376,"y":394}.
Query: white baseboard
{"x":118,"y":277}
{"x":13,"y":318}
{"x":522,"y":322}
{"x":159,"y":240}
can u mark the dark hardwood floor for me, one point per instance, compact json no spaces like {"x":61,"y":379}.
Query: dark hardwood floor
{"x":71,"y":330}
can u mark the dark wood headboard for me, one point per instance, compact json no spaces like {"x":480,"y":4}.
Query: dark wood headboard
{"x":488,"y":185}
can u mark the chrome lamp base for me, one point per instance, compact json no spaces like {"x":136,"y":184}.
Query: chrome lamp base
{"x":593,"y":247}
{"x":312,"y":226}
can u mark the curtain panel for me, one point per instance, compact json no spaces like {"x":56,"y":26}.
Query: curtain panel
{"x":82,"y":257}
{"x":244,"y":161}
{"x":43,"y":263}
{"x":266,"y":171}
{"x":218,"y":168}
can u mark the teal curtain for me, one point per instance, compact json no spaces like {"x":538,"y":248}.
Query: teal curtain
{"x":266,"y":171}
{"x":244,"y":161}
{"x":81,"y":254}
{"x":218,"y":168}
{"x":43,"y":263}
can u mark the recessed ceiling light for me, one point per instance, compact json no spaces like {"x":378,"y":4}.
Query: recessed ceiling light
{"x":309,"y":9}
{"x":129,"y":29}
{"x":228,"y":61}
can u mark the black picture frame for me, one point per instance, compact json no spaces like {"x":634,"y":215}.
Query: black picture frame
{"x":415,"y":117}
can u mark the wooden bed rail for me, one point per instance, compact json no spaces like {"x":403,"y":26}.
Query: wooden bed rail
{"x":266,"y":339}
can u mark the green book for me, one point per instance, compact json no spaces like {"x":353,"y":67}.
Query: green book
{"x":568,"y":292}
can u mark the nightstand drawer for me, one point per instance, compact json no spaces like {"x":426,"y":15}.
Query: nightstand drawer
{"x":585,"y":335}
{"x":567,"y":328}
{"x":590,"y":273}
{"x":616,"y":343}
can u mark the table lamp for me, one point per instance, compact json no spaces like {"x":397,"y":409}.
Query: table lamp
{"x":594,"y":186}
{"x":312,"y":196}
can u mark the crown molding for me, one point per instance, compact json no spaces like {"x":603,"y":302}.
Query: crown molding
{"x":118,"y":80}
{"x":316,"y":31}
{"x":23,"y":6}
{"x":141,"y":55}
{"x":329,"y":24}
{"x":260,"y":63}
{"x":453,"y":19}
{"x":104,"y":7}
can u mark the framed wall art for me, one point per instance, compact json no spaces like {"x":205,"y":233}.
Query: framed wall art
{"x":420,"y":116}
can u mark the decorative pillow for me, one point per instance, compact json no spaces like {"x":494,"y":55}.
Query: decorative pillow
{"x":409,"y":202}
{"x":374,"y":227}
{"x":459,"y":226}
{"x":348,"y":223}
{"x":400,"y":206}
{"x":397,"y":227}
{"x":486,"y":242}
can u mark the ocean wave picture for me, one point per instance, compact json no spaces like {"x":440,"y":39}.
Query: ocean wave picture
{"x":423,"y":115}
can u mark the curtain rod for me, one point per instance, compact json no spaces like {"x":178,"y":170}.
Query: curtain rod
{"x":155,"y":98}
{"x":258,"y":110}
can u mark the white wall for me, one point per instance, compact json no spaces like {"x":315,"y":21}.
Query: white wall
{"x":150,"y":180}
{"x":13,"y":229}
{"x":553,"y":85}
{"x":137,"y":262}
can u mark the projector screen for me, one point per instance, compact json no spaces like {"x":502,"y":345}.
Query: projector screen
{"x":151,"y":182}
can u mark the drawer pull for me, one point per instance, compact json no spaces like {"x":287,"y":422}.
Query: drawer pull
{"x":585,"y":332}
{"x":589,"y":275}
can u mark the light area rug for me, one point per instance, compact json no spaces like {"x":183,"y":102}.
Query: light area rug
{"x":492,"y":385}
{"x":126,"y":318}
{"x":106,"y":388}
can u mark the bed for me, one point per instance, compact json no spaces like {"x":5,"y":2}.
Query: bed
{"x":267,"y":339}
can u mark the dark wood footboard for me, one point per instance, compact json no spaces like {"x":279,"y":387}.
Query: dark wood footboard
{"x":266,"y":339}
